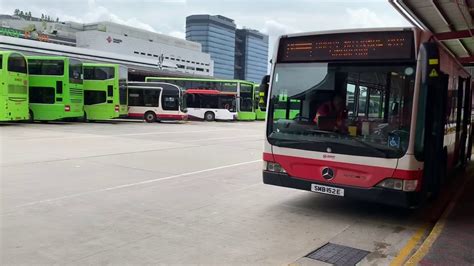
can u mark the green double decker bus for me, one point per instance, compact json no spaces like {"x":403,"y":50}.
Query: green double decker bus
{"x":55,"y":88}
{"x":105,"y":91}
{"x":13,"y":86}
{"x":245,"y":96}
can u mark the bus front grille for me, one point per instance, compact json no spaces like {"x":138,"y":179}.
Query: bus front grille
{"x":76,"y":92}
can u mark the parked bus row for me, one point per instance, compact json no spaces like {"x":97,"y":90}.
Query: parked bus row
{"x":47,"y":88}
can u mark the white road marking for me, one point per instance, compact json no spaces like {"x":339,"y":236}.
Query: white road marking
{"x":128,"y":134}
{"x":134,"y":184}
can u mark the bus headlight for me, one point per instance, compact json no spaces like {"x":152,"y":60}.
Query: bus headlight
{"x":398,"y":184}
{"x":273,"y":167}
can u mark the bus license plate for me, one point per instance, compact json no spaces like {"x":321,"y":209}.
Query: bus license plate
{"x":327,"y":190}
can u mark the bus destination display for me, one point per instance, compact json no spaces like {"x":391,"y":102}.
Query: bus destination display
{"x":347,"y":46}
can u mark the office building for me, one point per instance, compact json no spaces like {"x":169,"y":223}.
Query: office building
{"x":216,"y":34}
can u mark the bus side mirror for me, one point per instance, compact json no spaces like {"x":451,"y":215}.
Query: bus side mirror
{"x":264,"y":86}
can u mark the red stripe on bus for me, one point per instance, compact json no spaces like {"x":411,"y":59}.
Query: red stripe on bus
{"x":172,"y":116}
{"x":348,"y":174}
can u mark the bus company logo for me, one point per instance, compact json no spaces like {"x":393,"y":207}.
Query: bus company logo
{"x":109,"y":39}
{"x":327,"y":173}
{"x":329,"y":156}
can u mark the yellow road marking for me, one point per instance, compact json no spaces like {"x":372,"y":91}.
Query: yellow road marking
{"x":410,"y":246}
{"x":425,"y":247}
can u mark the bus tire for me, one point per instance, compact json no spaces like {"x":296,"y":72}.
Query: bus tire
{"x":209,"y":116}
{"x":150,"y":117}
{"x":31,"y":119}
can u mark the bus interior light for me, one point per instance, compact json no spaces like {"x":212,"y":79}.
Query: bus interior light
{"x":273,"y":167}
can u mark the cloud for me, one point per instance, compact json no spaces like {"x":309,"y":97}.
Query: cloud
{"x":97,"y":13}
{"x":364,"y":18}
{"x":177,"y":34}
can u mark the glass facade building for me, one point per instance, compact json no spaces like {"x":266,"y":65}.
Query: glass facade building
{"x":251,"y":55}
{"x":216,"y":34}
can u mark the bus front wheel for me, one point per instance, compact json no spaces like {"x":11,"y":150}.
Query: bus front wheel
{"x":209,"y":116}
{"x":150,"y":117}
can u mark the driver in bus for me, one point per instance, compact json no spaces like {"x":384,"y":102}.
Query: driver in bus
{"x":331,"y":115}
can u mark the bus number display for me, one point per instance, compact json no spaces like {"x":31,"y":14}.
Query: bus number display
{"x":347,"y":46}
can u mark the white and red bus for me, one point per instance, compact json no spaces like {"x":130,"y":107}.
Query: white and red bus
{"x":384,"y":115}
{"x":155,"y":101}
{"x":210,"y":105}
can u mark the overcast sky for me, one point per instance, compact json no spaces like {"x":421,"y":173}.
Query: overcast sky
{"x":273,"y":17}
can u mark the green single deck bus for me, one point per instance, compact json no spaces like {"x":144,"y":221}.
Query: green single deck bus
{"x":244,"y":91}
{"x":55,"y":88}
{"x":13,"y":86}
{"x":105,"y":91}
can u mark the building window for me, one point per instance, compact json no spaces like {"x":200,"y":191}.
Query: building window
{"x":148,"y":54}
{"x":167,"y":57}
{"x":125,"y":34}
{"x":188,"y":61}
{"x":135,"y":52}
{"x":155,"y":55}
{"x":180,"y":66}
{"x":172,"y":58}
{"x":200,"y":69}
{"x":142,"y":53}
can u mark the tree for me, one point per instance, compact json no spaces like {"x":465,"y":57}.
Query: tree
{"x":21,"y":14}
{"x":42,"y":16}
{"x":57,"y":19}
{"x":16,"y":12}
{"x":29,"y":14}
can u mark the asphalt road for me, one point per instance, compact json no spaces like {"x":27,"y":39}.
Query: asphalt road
{"x":137,"y":193}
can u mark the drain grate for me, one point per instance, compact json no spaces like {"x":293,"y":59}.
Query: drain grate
{"x":338,"y":254}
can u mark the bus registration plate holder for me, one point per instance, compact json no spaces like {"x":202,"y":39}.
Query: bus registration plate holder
{"x":327,"y":190}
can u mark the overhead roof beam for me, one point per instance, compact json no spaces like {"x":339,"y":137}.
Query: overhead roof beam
{"x":442,"y":14}
{"x":443,"y":36}
{"x":466,"y":60}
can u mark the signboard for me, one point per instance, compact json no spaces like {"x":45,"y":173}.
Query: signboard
{"x":382,"y":45}
{"x":32,"y":35}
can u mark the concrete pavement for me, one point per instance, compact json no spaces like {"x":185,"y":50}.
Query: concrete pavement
{"x":137,"y":193}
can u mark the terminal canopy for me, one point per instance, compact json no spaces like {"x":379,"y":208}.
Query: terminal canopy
{"x":451,"y":22}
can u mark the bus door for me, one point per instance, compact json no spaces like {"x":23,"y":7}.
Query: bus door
{"x":432,"y":104}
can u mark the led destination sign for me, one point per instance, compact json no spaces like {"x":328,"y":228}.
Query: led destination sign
{"x":347,"y":46}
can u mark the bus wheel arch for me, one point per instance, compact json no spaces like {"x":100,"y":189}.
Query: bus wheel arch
{"x":209,"y":116}
{"x":150,"y":117}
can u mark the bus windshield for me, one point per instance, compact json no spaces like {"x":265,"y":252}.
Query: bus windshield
{"x":357,"y":109}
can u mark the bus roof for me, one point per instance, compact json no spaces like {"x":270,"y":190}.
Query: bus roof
{"x":208,"y":92}
{"x":198,"y":79}
{"x":48,"y":57}
{"x":100,"y":64}
{"x":347,"y":31}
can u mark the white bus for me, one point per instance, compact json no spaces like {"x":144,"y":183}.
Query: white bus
{"x":211,"y":105}
{"x":155,"y":101}
{"x":384,"y":115}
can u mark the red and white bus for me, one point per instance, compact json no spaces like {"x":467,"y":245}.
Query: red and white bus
{"x":384,"y":115}
{"x":155,"y":101}
{"x":211,"y":105}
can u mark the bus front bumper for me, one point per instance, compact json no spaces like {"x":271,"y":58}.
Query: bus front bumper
{"x":374,"y":194}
